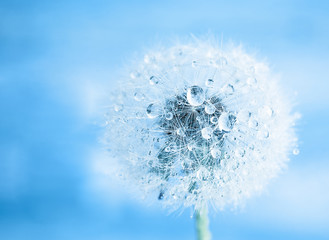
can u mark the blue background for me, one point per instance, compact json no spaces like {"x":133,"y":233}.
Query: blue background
{"x":58,"y":59}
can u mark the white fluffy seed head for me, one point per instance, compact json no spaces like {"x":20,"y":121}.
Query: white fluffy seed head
{"x":193,"y":124}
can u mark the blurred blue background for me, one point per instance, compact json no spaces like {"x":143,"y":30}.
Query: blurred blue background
{"x":59,"y":58}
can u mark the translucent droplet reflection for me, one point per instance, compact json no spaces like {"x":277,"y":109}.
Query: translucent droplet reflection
{"x":251,"y":81}
{"x":243,"y":116}
{"x":195,"y":63}
{"x":253,"y":123}
{"x":195,"y":96}
{"x":240,"y":152}
{"x":138,"y":96}
{"x":209,"y":82}
{"x":190,"y":146}
{"x":180,"y":132}
{"x":207,"y":132}
{"x":228,"y":89}
{"x":295,"y":151}
{"x":225,"y":122}
{"x":209,"y":108}
{"x":154,"y":80}
{"x":118,"y":107}
{"x":169,"y":115}
{"x":152,"y":110}
{"x":215,"y":152}
{"x":263,"y":134}
{"x":214,"y":120}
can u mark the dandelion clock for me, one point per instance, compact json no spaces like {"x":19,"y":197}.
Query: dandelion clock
{"x":196,"y":125}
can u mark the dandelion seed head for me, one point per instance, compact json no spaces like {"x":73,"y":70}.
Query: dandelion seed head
{"x":194,"y":124}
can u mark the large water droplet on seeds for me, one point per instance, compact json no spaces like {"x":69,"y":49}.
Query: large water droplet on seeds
{"x":206,"y":132}
{"x":209,"y":108}
{"x":215,"y":153}
{"x":225,"y":122}
{"x":152,"y":110}
{"x":195,"y":96}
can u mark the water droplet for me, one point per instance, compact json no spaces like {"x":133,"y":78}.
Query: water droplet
{"x":251,"y":81}
{"x":195,"y":96}
{"x":202,"y":174}
{"x":154,"y":80}
{"x":253,"y":123}
{"x":215,"y":153}
{"x":263,"y":134}
{"x":210,"y":82}
{"x":139,"y":115}
{"x":195,"y":63}
{"x":228,"y":89}
{"x":169,"y":116}
{"x":180,"y":132}
{"x":135,"y":74}
{"x":152,"y":111}
{"x":295,"y":151}
{"x":149,"y":59}
{"x":160,"y":197}
{"x":207,"y":132}
{"x":138,"y":96}
{"x":209,"y":108}
{"x":214,"y":120}
{"x":179,"y":52}
{"x":243,"y":115}
{"x":226,"y":122}
{"x":118,"y":107}
{"x":176,"y":67}
{"x":221,"y":62}
{"x":240,"y":152}
{"x":190,"y":146}
{"x":251,"y":70}
{"x":266,"y":112}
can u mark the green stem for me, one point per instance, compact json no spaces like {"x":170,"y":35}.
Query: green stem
{"x":202,"y":224}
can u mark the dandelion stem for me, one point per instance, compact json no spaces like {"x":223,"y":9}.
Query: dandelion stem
{"x":202,"y":224}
